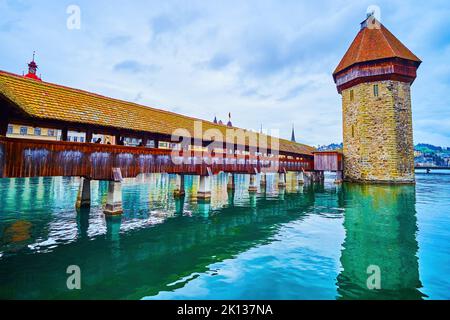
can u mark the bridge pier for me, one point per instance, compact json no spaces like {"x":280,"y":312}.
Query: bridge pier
{"x":204,"y":189}
{"x":252,"y":188}
{"x":179,"y":186}
{"x":114,"y":201}
{"x":338,"y":179}
{"x":84,"y":193}
{"x":230,"y":182}
{"x":281,"y":180}
{"x":263,"y":179}
{"x":300,"y":178}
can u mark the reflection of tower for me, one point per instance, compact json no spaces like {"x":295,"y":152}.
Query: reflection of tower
{"x":380,"y":226}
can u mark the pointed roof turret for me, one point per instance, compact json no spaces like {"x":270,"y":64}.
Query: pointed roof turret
{"x":375,"y":53}
{"x":374,"y":42}
{"x":32,"y":68}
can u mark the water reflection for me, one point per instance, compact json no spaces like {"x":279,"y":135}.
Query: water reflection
{"x":380,"y":224}
{"x":162,"y":243}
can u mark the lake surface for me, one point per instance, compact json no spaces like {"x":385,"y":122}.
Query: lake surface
{"x":310,"y":242}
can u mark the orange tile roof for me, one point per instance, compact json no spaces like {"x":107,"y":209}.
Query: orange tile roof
{"x":373,"y":44}
{"x":49,"y":101}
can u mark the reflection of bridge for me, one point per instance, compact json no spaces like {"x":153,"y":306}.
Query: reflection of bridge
{"x":178,"y":247}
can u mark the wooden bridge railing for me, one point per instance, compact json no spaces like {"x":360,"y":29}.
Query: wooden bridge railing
{"x":33,"y":158}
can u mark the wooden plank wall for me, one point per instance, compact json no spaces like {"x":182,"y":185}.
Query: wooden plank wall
{"x":330,"y":161}
{"x":34,"y":158}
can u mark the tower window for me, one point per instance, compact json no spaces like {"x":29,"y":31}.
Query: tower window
{"x":10,"y":129}
{"x":375,"y":90}
{"x":351,"y":95}
{"x":353,"y":131}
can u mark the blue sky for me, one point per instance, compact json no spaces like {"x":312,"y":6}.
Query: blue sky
{"x":266,"y":62}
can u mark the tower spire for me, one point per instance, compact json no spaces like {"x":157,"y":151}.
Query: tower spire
{"x":293,"y":134}
{"x":229,"y":124}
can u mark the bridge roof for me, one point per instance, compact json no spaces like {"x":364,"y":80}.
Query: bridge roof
{"x":374,"y":43}
{"x":47,"y":101}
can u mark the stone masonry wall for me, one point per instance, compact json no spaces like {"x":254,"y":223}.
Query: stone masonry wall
{"x":378,"y":140}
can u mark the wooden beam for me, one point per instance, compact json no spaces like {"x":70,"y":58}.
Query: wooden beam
{"x":3,"y":127}
{"x":89,"y":135}
{"x":65,"y":134}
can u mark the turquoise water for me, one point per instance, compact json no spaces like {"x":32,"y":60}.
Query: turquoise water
{"x":310,"y":242}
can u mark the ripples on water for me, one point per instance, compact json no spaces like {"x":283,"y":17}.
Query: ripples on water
{"x":311,"y":242}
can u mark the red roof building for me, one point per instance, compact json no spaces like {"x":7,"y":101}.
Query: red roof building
{"x":32,"y":69}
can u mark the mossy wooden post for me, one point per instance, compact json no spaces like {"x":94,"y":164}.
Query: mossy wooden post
{"x":84,"y":193}
{"x":113,"y":205}
{"x":204,"y":189}
{"x":230,"y":183}
{"x":252,"y":188}
{"x":263,"y":179}
{"x":282,"y":180}
{"x":179,"y":186}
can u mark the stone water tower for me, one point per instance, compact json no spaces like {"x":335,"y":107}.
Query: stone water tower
{"x":374,"y":78}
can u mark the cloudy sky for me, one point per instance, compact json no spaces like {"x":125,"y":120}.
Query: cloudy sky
{"x":266,"y":62}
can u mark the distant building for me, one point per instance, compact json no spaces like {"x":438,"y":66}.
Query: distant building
{"x":229,"y":123}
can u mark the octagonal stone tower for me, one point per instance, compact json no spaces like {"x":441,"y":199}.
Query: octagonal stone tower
{"x":374,"y":79}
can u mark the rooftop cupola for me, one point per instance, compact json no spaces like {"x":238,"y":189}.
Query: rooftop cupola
{"x":32,"y":68}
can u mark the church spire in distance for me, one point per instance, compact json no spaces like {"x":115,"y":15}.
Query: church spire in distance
{"x":293,"y":134}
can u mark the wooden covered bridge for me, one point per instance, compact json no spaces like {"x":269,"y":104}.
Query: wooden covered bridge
{"x":197,"y":147}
